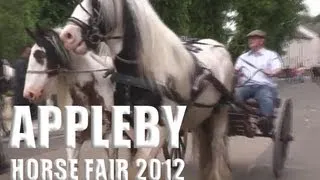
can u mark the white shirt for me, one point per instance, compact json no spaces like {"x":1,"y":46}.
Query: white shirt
{"x":262,"y":59}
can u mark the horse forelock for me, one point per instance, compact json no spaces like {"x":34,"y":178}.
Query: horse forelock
{"x":56,"y":54}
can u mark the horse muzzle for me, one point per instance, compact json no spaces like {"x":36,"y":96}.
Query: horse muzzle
{"x":33,"y":95}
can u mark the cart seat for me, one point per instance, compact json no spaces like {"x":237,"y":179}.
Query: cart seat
{"x":252,"y":102}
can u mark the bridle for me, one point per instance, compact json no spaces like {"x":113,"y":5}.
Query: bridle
{"x":51,"y":42}
{"x":59,"y":70}
{"x":94,"y":32}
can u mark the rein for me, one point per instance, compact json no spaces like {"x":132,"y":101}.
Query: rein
{"x":66,"y":71}
{"x":126,"y":60}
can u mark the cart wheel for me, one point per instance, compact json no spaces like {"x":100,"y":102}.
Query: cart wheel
{"x":176,"y":153}
{"x":282,"y":136}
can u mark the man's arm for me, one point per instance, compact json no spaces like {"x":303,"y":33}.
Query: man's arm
{"x":276,"y":65}
{"x":238,"y":64}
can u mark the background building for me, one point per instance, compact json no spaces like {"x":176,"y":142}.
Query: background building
{"x":304,"y":48}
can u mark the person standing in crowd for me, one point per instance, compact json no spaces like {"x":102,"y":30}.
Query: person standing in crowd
{"x":299,"y":72}
{"x":21,"y":66}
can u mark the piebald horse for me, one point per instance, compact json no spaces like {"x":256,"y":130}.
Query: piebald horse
{"x":77,"y":79}
{"x":199,"y":76}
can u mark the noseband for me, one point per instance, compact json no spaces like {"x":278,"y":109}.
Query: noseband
{"x":94,"y":32}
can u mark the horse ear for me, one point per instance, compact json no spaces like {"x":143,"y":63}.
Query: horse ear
{"x":31,"y":34}
{"x":39,"y":29}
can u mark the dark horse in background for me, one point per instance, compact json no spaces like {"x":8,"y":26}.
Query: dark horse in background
{"x":315,"y":74}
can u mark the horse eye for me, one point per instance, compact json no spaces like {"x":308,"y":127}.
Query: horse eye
{"x":39,"y":56}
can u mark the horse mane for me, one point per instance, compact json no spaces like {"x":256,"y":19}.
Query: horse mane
{"x":161,"y":54}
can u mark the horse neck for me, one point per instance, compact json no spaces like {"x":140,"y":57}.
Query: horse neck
{"x":161,"y":54}
{"x":115,"y":45}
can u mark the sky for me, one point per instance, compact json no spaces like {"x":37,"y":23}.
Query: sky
{"x":313,"y":6}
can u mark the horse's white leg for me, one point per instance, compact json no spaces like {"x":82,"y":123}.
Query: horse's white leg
{"x":220,"y":166}
{"x":73,"y":153}
{"x":147,"y":154}
{"x":201,"y":148}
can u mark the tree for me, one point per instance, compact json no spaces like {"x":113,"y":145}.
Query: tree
{"x":175,"y":14}
{"x":16,"y":15}
{"x":278,"y":18}
{"x":195,"y":18}
{"x":54,"y":12}
{"x":208,"y":19}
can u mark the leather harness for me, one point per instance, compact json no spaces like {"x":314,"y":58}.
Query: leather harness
{"x":200,"y":82}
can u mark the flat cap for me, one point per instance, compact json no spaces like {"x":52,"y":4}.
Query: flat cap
{"x":257,"y":33}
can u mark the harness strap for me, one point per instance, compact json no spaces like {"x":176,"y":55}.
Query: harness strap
{"x":131,"y":80}
{"x":67,"y":71}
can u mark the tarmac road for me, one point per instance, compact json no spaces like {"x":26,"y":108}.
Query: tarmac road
{"x":251,"y":158}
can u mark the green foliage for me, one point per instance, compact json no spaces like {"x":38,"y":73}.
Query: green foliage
{"x":194,"y":18}
{"x":175,"y":14}
{"x":16,"y":15}
{"x":208,"y":18}
{"x":278,"y":18}
{"x":54,"y":12}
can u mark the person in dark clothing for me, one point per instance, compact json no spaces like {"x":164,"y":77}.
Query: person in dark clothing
{"x":21,"y":66}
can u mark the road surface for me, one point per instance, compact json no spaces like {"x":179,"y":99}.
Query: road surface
{"x":251,"y":158}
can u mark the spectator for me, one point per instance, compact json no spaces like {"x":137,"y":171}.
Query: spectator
{"x":20,"y":74}
{"x":299,"y":72}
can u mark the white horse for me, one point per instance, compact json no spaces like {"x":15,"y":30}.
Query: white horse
{"x":162,"y":58}
{"x":81,"y":81}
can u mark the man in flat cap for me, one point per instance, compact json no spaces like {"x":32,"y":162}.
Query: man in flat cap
{"x":255,"y":70}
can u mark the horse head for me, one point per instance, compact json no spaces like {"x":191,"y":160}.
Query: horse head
{"x":49,"y":61}
{"x":46,"y":59}
{"x":92,"y":22}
